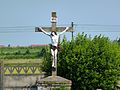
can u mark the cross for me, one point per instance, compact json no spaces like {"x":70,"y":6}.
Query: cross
{"x":51,"y":29}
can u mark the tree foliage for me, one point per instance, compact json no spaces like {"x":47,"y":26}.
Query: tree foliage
{"x":90,"y":63}
{"x":46,"y":66}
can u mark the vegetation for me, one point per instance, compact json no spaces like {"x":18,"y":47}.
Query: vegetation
{"x":89,"y":63}
{"x":62,"y":88}
{"x":22,"y":52}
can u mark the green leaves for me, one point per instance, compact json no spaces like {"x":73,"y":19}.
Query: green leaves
{"x":90,"y":63}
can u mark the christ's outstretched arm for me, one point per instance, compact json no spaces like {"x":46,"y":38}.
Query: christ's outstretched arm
{"x":64,"y":31}
{"x":44,"y":31}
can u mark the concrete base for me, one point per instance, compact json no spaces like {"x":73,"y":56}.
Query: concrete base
{"x":21,"y":82}
{"x":52,"y":82}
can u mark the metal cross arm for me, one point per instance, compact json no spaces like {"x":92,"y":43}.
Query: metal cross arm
{"x":58,"y":29}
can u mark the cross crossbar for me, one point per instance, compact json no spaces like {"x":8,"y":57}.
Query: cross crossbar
{"x":58,"y":29}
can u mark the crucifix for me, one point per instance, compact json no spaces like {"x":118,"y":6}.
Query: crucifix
{"x":54,"y":39}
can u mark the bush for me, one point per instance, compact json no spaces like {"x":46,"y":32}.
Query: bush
{"x":89,"y":63}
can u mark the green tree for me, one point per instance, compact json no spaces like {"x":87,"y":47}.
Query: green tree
{"x":46,"y":66}
{"x":89,"y":63}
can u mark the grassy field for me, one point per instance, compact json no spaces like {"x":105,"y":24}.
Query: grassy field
{"x":22,"y":52}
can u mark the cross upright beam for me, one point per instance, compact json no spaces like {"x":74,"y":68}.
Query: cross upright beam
{"x":53,"y":29}
{"x":53,"y":21}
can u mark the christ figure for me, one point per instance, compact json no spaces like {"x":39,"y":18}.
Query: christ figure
{"x":54,"y":42}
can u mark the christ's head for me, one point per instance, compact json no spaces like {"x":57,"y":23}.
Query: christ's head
{"x":53,"y":33}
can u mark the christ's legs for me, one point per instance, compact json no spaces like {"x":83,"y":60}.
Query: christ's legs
{"x":52,"y":53}
{"x":54,"y":57}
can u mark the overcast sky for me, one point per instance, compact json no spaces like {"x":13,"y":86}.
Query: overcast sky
{"x":19,"y":17}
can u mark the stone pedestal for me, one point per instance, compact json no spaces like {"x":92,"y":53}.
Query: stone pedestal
{"x":52,"y":82}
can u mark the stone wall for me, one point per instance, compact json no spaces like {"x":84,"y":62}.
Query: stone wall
{"x":19,"y":75}
{"x":21,"y":82}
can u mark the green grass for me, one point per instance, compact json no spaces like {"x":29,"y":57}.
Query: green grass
{"x":22,"y":52}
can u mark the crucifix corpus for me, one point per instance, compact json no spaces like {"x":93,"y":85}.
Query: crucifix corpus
{"x":54,"y":39}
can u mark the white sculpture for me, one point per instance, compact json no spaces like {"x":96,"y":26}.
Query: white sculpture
{"x":54,"y":41}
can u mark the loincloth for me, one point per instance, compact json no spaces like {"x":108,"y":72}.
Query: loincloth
{"x":54,"y":48}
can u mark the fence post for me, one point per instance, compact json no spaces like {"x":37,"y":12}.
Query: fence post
{"x":1,"y":75}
